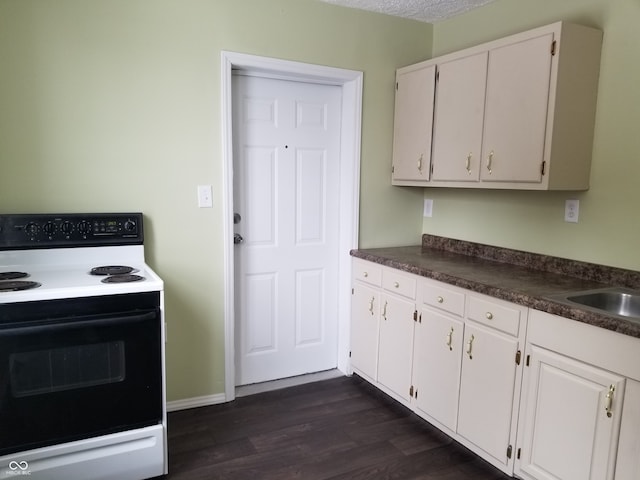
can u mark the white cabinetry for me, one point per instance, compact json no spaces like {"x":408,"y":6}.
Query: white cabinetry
{"x":569,"y":433}
{"x":454,"y":360}
{"x":571,"y":397}
{"x":365,"y":316}
{"x":397,"y":318}
{"x":413,"y":123}
{"x":459,"y":113}
{"x":438,"y":354}
{"x":491,"y":377}
{"x":515,"y":117}
{"x":382,"y":323}
{"x":628,"y":463}
{"x":515,"y":113}
{"x":572,"y":402}
{"x":467,"y":371}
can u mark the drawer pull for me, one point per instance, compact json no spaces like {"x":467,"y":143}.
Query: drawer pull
{"x":450,"y":339}
{"x":609,"y":400}
{"x":396,"y":284}
{"x":440,"y":299}
{"x":384,"y":311}
{"x":489,"y":316}
{"x":365,"y":274}
{"x":371,"y":305}
{"x":470,"y":347}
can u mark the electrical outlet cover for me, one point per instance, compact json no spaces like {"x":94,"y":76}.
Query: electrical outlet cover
{"x":428,"y":208}
{"x":571,"y":211}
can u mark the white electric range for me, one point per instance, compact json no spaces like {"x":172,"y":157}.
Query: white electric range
{"x":82,"y":376}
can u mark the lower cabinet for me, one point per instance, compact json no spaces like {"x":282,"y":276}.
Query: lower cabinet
{"x":628,"y":461}
{"x":538,"y":396}
{"x":383,"y":314}
{"x":365,"y":307}
{"x":488,"y":391}
{"x":466,"y":369}
{"x":574,"y":402}
{"x":436,"y":367}
{"x":570,"y":419}
{"x":491,"y":377}
{"x":437,"y":354}
{"x":449,"y":354}
{"x":395,"y":352}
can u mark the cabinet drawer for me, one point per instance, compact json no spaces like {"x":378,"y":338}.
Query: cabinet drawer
{"x":445,"y":298}
{"x":503,"y":316}
{"x":395,"y":282}
{"x":367,"y":272}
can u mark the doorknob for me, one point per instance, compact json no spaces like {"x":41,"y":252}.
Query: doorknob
{"x":237,"y":238}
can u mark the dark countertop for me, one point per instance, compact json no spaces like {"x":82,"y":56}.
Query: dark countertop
{"x":519,"y":277}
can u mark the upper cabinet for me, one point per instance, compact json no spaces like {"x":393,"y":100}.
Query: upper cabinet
{"x":516,"y":113}
{"x":413,"y":123}
{"x":459,"y":110}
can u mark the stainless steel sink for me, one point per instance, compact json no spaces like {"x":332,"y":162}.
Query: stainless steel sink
{"x":615,"y":301}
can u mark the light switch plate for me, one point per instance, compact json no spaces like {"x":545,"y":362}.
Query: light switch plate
{"x":205,"y":196}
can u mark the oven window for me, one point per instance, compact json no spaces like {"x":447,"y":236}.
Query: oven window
{"x":58,"y":369}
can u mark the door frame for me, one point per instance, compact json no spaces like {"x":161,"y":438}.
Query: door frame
{"x":351,"y":120}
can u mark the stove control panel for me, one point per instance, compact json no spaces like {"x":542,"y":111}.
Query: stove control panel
{"x":69,"y":230}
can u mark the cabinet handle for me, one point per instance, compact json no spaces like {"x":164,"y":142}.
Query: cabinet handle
{"x":365,"y":274}
{"x":396,"y":284}
{"x":490,"y":161}
{"x":470,"y":347}
{"x":371,"y":305}
{"x":609,"y":400}
{"x":489,"y":316}
{"x":384,"y":311}
{"x":420,"y":163}
{"x":468,"y":164}
{"x":440,"y":299}
{"x":450,"y":339}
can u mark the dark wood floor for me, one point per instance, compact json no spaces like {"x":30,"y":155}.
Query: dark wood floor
{"x":341,"y":428}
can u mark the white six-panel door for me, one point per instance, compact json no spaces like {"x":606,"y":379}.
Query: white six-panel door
{"x":286,"y":185}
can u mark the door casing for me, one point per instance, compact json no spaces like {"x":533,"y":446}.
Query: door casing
{"x":351,"y":83}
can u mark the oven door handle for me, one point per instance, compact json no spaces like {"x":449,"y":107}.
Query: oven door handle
{"x":71,"y":323}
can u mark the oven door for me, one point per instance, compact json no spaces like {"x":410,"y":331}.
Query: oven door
{"x":78,"y":368}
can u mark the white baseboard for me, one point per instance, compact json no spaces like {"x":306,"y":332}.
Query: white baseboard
{"x":194,"y":402}
{"x":245,"y":390}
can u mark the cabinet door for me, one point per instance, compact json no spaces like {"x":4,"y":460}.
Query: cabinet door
{"x":487,"y":389}
{"x":437,"y":354}
{"x":571,"y":419}
{"x":413,"y":124}
{"x":516,"y":111}
{"x":458,"y":118}
{"x":365,"y":314}
{"x":396,"y":344}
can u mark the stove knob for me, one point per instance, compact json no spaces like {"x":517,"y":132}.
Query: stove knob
{"x":84,"y":227}
{"x":49,"y":228}
{"x":130,"y":226}
{"x":31,"y":229}
{"x":66,"y":227}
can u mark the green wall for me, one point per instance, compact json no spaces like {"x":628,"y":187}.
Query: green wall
{"x":114,"y":105}
{"x":608,"y":231}
{"x":110,"y":105}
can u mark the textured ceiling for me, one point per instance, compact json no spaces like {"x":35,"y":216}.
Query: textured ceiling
{"x":430,"y":11}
